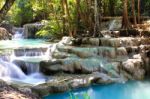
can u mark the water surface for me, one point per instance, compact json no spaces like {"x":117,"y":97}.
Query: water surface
{"x":17,"y":43}
{"x":129,"y":90}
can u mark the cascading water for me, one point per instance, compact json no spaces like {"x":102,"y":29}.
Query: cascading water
{"x":8,"y":68}
{"x":22,"y":62}
{"x":18,"y":33}
{"x":13,"y":72}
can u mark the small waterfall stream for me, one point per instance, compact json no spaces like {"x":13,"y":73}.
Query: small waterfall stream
{"x":18,"y":33}
{"x":22,"y":64}
{"x":20,"y":69}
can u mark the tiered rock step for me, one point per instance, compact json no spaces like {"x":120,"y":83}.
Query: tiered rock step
{"x":95,"y":60}
{"x":30,"y":51}
{"x":96,"y":54}
{"x":115,"y":42}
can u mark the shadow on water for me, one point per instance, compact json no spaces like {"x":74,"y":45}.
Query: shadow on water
{"x":129,"y":90}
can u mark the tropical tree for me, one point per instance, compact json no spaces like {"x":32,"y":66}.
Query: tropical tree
{"x":5,"y":8}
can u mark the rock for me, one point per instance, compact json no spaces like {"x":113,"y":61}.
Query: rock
{"x":135,"y":67}
{"x":66,"y":41}
{"x":31,"y":29}
{"x":91,"y":41}
{"x":50,"y":67}
{"x":7,"y":26}
{"x":65,"y":82}
{"x":41,"y":90}
{"x":4,"y":34}
{"x":131,"y":32}
{"x":59,"y":55}
{"x":77,"y":41}
{"x":145,"y":33}
{"x":9,"y":92}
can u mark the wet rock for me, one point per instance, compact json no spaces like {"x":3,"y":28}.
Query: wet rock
{"x":31,"y":29}
{"x":59,"y":55}
{"x":66,"y":41}
{"x":64,"y":82}
{"x":135,"y":67}
{"x":50,"y":67}
{"x":4,"y":34}
{"x":58,"y":88}
{"x":41,"y":90}
{"x":91,"y":41}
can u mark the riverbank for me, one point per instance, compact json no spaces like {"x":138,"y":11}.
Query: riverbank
{"x":9,"y":92}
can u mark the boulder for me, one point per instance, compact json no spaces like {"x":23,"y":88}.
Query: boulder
{"x":7,"y":26}
{"x":50,"y":67}
{"x":4,"y":34}
{"x":31,"y":29}
{"x":135,"y":67}
{"x":10,"y":92}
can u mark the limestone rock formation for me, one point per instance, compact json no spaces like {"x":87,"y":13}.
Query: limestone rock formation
{"x":4,"y":34}
{"x":9,"y":92}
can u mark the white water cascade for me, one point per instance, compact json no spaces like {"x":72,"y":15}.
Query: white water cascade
{"x":114,"y":25}
{"x":21,"y":64}
{"x":12,"y":72}
{"x":18,"y":33}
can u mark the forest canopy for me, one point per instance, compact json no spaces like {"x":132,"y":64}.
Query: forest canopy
{"x":74,"y":16}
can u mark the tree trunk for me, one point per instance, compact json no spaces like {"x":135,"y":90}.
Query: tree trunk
{"x":96,"y":17}
{"x":77,"y":15}
{"x":63,"y":18}
{"x":125,"y":20}
{"x":67,"y":15}
{"x":112,"y":7}
{"x":133,"y":12}
{"x":138,"y":11}
{"x":5,"y":9}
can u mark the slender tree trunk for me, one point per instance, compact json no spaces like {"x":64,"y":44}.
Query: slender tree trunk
{"x":88,"y":16}
{"x":67,"y":15}
{"x":112,"y":7}
{"x":5,"y":9}
{"x":125,"y":20}
{"x":133,"y":12}
{"x":138,"y":11}
{"x":64,"y":18}
{"x":96,"y":17}
{"x":77,"y":15}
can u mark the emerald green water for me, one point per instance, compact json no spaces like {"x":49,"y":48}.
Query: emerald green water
{"x":129,"y":90}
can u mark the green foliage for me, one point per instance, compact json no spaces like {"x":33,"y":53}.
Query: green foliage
{"x":52,"y":29}
{"x":85,"y":96}
{"x":21,"y":12}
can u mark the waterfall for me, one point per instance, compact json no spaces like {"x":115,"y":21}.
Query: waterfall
{"x":115,"y":24}
{"x":23,"y":65}
{"x":18,"y":33}
{"x":111,"y":26}
{"x":10,"y":70}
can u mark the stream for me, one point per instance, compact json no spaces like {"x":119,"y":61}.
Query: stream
{"x":20,"y":59}
{"x":29,"y":51}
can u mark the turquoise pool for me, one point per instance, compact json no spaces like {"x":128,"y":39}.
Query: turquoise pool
{"x":129,"y":90}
